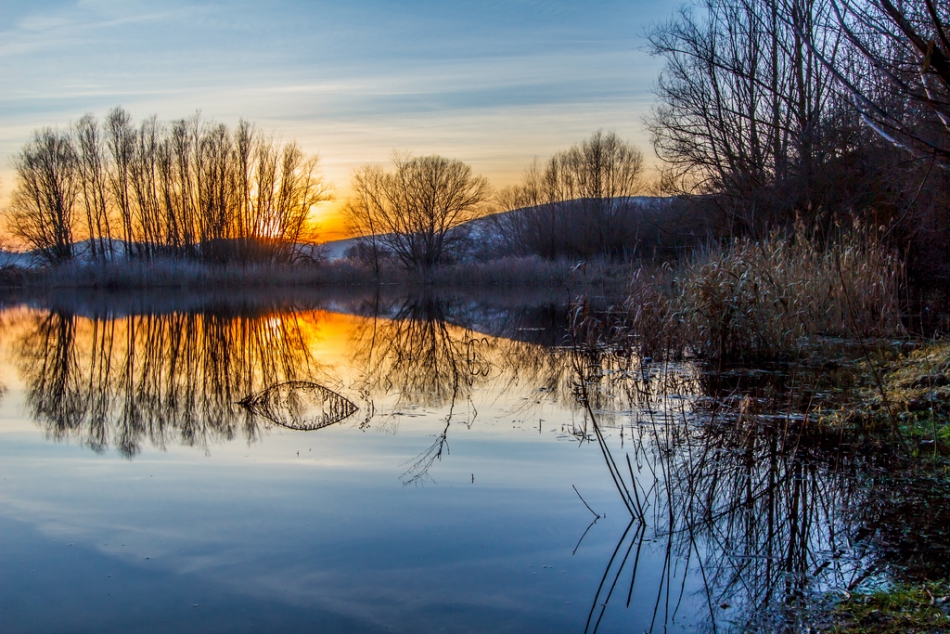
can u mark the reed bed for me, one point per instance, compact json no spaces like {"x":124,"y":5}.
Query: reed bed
{"x":173,"y":273}
{"x":181,"y":273}
{"x":759,"y":300}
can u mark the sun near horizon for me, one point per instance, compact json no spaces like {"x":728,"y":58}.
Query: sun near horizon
{"x":491,"y":85}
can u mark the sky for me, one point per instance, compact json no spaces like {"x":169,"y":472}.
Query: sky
{"x":493,"y":83}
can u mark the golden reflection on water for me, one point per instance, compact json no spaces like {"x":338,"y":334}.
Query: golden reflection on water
{"x":763,"y":511}
{"x":180,"y":377}
{"x":165,"y":378}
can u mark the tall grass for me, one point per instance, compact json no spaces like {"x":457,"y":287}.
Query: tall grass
{"x":183,"y":273}
{"x":175,"y":273}
{"x":533,"y":271}
{"x":754,"y":300}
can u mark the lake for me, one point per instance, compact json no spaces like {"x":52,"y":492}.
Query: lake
{"x":366,"y":461}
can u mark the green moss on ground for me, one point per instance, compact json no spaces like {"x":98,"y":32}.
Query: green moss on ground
{"x":910,"y":393}
{"x":902,"y":609}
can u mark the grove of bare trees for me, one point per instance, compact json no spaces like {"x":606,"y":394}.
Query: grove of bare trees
{"x":185,"y":189}
{"x":902,"y":86}
{"x":820,"y":112}
{"x":747,"y":110}
{"x":578,"y":203}
{"x":769,"y":114}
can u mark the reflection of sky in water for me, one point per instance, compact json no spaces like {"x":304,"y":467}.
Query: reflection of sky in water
{"x":445,"y":503}
{"x":249,"y":533}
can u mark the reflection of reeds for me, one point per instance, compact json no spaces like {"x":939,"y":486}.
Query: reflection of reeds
{"x":164,"y":378}
{"x":763,"y":510}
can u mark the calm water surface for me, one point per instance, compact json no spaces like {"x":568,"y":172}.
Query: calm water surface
{"x":368,"y":463}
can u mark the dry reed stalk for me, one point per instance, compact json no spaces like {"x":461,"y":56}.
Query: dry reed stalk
{"x":756,"y":300}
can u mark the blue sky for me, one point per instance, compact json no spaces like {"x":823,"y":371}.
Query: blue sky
{"x":493,"y":83}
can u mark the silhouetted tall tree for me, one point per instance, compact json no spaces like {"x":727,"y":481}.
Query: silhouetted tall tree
{"x":47,"y":186}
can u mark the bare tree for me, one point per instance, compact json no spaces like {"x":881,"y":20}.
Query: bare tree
{"x":47,"y":186}
{"x":244,"y":138}
{"x":146,"y":206}
{"x":120,"y":141}
{"x":301,"y":188}
{"x":902,"y":83}
{"x":412,"y":211}
{"x":92,"y":170}
{"x":746,"y":109}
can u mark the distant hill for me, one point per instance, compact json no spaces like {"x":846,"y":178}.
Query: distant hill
{"x":337,"y":249}
{"x":12,"y":258}
{"x":483,"y":232}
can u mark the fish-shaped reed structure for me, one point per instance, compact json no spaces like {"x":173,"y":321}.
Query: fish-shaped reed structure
{"x":301,"y":405}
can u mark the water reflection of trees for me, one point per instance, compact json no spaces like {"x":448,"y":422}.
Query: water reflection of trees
{"x":178,"y":377}
{"x":415,"y":354}
{"x":172,"y":378}
{"x":422,"y":354}
{"x":760,"y":510}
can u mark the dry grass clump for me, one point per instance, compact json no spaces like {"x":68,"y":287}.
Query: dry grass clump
{"x":173,"y":273}
{"x":759,"y":299}
{"x":921,"y":377}
{"x":653,"y":315}
{"x":755,"y":300}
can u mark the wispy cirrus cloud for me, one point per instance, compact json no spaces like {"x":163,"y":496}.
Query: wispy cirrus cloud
{"x":491,"y":82}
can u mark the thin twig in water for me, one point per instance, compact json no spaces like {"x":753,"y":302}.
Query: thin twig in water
{"x":590,"y":526}
{"x":584,"y":501}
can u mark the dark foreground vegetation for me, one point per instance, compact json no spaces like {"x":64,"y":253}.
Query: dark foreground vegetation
{"x":812,"y":490}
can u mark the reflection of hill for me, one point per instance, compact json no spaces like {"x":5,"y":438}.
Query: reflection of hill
{"x":538,"y":316}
